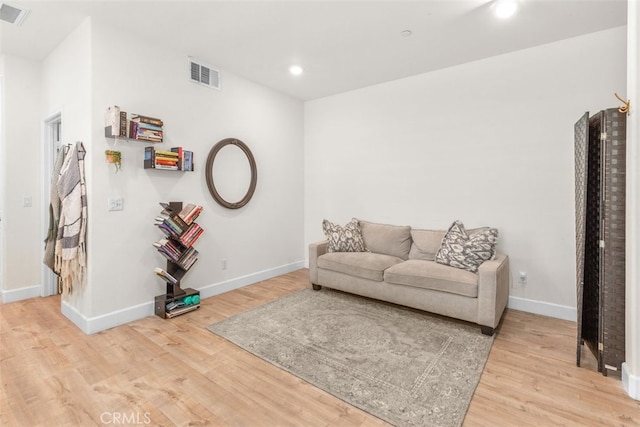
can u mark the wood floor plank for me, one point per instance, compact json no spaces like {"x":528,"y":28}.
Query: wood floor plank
{"x":175,"y":372}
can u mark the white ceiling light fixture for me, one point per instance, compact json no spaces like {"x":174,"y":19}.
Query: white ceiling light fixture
{"x":406,"y":33}
{"x":505,"y":8}
{"x":12,"y":13}
{"x":296,"y":70}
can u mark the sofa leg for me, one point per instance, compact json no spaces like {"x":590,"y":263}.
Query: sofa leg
{"x":316,"y":287}
{"x":487,"y":330}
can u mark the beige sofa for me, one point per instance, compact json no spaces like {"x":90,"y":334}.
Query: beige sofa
{"x":398,"y":266}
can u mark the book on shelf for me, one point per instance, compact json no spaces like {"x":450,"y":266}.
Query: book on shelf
{"x":176,"y":158}
{"x":183,"y":258}
{"x":149,"y":158}
{"x":189,"y":237}
{"x":149,"y":126}
{"x":166,"y":167}
{"x":181,"y":310}
{"x":145,"y":128}
{"x":190,"y":212}
{"x":115,"y":122}
{"x":176,"y":223}
{"x":123,"y":124}
{"x":168,"y":231}
{"x":139,"y":118}
{"x":179,"y":152}
{"x":188,"y":258}
{"x":166,"y":162}
{"x":185,"y":158}
{"x":188,"y":160}
{"x":165,"y":275}
{"x":112,"y":117}
{"x":167,"y":153}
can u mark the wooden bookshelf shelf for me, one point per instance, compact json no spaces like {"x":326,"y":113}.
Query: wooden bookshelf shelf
{"x":181,"y":233}
{"x":175,"y":158}
{"x":134,"y":128}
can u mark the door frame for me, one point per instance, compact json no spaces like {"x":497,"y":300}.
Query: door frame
{"x":52,"y":129}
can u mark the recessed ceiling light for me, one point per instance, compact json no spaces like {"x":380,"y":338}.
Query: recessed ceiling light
{"x":406,"y":33}
{"x":296,"y":70}
{"x":505,"y":8}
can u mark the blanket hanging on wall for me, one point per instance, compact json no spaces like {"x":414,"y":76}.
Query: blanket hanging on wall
{"x":70,"y":251}
{"x":54,"y":212}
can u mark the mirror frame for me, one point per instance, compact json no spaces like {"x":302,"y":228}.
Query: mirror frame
{"x":209,"y":173}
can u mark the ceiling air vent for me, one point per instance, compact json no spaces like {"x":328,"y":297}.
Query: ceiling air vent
{"x":12,"y":14}
{"x":203,"y":74}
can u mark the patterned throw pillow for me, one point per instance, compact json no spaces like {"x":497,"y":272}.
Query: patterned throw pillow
{"x":343,"y":239}
{"x":460,"y":250}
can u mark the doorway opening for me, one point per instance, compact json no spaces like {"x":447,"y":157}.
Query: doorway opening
{"x":52,"y":140}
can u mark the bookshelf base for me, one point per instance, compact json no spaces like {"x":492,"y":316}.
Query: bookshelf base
{"x":161,"y":302}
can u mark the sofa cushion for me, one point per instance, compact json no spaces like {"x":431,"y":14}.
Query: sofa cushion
{"x":343,"y":239}
{"x":431,"y":275}
{"x":467,"y":251}
{"x":393,"y":240}
{"x":361,"y":264}
{"x":425,"y":243}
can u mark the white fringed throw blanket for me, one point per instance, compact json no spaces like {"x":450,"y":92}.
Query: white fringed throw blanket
{"x":70,"y":252}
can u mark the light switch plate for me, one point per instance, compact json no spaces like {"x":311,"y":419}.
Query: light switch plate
{"x":115,"y":203}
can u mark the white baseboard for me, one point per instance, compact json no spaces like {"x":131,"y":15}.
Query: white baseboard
{"x":109,"y":320}
{"x":630,"y":382}
{"x":543,"y":308}
{"x":22,"y":293}
{"x":229,"y":285}
{"x":129,"y":314}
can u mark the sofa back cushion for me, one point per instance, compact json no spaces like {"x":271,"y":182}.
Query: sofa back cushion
{"x":425,"y":243}
{"x":394,"y":240}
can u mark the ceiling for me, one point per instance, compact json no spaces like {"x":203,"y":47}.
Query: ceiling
{"x":342,"y":45}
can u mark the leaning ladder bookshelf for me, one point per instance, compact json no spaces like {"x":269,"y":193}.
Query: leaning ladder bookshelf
{"x":181,"y":232}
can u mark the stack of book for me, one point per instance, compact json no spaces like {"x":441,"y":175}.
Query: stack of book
{"x":184,"y":258}
{"x":175,"y":159}
{"x":190,"y":212}
{"x":145,"y":128}
{"x":189,"y":237}
{"x":171,"y":224}
{"x":188,"y":258}
{"x":166,"y":160}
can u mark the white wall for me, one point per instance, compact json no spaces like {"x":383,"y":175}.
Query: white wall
{"x":488,"y":142}
{"x":265,"y":236}
{"x":21,"y":175}
{"x":97,"y":66}
{"x":66,"y":89}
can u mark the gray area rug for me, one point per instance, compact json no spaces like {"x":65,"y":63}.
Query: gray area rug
{"x":406,"y":367}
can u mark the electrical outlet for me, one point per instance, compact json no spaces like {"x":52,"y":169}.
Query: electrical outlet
{"x":27,"y":201}
{"x":224,"y":264}
{"x":115,"y":204}
{"x":522,"y":278}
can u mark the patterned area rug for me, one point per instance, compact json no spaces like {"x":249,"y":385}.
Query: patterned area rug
{"x":406,"y":367}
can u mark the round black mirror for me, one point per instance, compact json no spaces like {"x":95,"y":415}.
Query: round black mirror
{"x":209,"y":171}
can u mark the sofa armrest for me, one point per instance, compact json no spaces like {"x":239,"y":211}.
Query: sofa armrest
{"x":315,"y":250}
{"x":493,"y":290}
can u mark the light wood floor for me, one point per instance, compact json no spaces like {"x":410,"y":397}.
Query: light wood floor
{"x":174,"y":372}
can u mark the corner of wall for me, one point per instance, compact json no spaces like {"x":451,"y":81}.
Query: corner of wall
{"x":630,"y":382}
